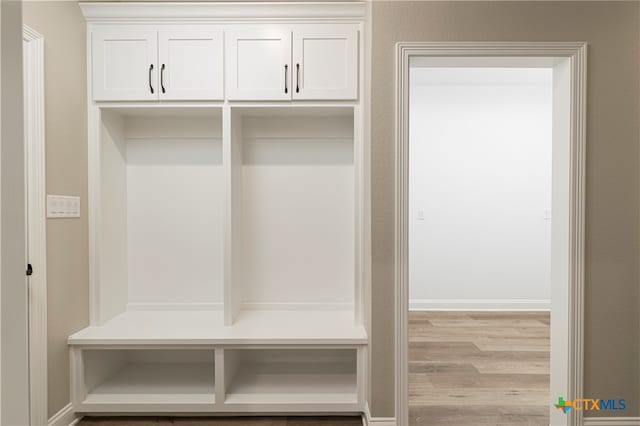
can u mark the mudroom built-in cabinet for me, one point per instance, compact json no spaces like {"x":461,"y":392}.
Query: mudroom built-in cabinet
{"x":227,"y":210}
{"x":166,"y":62}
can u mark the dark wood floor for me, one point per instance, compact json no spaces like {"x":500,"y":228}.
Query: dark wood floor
{"x":479,"y":368}
{"x":221,"y":421}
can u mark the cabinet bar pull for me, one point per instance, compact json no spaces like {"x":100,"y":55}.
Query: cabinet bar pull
{"x":297,"y":78}
{"x":150,"y":86}
{"x":162,"y":78}
{"x":286,"y":89}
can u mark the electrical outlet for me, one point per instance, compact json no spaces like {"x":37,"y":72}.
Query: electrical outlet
{"x":62,"y":206}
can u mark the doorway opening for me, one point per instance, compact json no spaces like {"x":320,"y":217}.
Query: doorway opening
{"x":490,"y":155}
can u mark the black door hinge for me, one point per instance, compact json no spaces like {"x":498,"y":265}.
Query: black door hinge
{"x":29,"y":270}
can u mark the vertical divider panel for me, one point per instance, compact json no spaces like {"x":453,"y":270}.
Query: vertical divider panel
{"x":231,"y":361}
{"x":237,"y":209}
{"x":358,"y":208}
{"x":220,"y":390}
{"x":228,"y":216}
{"x":78,"y":387}
{"x":232,"y":159}
{"x":362,"y":385}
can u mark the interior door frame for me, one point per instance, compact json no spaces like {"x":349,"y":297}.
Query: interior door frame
{"x":575,"y":54}
{"x":35,"y":194}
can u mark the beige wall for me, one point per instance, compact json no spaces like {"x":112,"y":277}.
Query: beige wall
{"x":612,"y":296}
{"x":63,"y":28}
{"x":13,"y":292}
{"x":612,"y":222}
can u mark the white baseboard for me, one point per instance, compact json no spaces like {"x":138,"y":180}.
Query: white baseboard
{"x":479,"y":305}
{"x":367,"y":420}
{"x":64,"y":417}
{"x":612,"y":421}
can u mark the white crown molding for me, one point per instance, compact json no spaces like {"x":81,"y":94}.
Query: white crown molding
{"x":612,"y":421}
{"x":188,"y":11}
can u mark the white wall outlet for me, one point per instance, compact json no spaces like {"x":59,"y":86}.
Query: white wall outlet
{"x":62,"y":206}
{"x":420,"y":214}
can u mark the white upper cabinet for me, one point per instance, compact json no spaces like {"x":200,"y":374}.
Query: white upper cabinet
{"x":124,"y":63}
{"x":143,"y":63}
{"x":190,"y":63}
{"x":258,"y":63}
{"x":306,"y":62}
{"x":325,"y":62}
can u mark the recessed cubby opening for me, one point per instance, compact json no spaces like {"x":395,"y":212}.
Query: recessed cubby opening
{"x":290,"y":376}
{"x":161,"y":209}
{"x":294,"y":209}
{"x":136,"y":376}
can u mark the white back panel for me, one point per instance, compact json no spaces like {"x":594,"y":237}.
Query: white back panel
{"x":298,"y":204}
{"x":174,"y":211}
{"x":113,"y":248}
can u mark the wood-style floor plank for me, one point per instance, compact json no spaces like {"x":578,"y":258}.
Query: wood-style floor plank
{"x":479,"y":368}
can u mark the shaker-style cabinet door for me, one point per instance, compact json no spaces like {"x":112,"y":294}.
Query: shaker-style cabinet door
{"x":190,"y":64}
{"x":258,"y":63}
{"x":325,"y":61}
{"x":124,"y":63}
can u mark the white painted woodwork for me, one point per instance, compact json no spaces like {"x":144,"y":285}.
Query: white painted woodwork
{"x":113,"y":288}
{"x":298,"y":204}
{"x":258,"y":62}
{"x":293,"y":376}
{"x":568,"y":169}
{"x":148,"y":380}
{"x":224,"y":11}
{"x":325,"y":61}
{"x":34,"y":136}
{"x":225,"y":238}
{"x":201,"y":327}
{"x":121,"y":56}
{"x":162,"y":221}
{"x":190,"y":62}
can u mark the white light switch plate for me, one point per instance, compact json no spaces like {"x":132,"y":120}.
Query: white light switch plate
{"x":62,"y":206}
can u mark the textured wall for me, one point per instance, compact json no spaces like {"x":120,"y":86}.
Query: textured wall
{"x":612,"y":357}
{"x":63,"y":27}
{"x":612,"y":31}
{"x":13,"y":292}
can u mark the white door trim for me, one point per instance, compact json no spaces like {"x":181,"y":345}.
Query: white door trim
{"x":36,"y":221}
{"x":577,"y":54}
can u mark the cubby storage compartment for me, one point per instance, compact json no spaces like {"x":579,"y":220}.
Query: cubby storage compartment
{"x":321,"y":377}
{"x":294,"y":209}
{"x":161,"y":210}
{"x":140,"y":380}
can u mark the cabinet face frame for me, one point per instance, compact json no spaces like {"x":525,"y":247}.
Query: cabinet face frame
{"x":279,"y":63}
{"x":145,"y":87}
{"x":321,"y":67}
{"x":208,"y":62}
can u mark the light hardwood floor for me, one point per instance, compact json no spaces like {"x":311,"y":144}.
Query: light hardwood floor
{"x":479,"y":368}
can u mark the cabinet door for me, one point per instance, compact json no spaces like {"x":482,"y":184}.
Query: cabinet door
{"x":190,"y":61}
{"x":258,"y":63}
{"x":325,"y":61}
{"x":124,"y":63}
